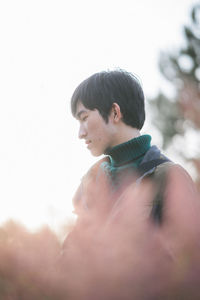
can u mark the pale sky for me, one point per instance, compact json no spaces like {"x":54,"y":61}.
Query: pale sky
{"x":47,"y":48}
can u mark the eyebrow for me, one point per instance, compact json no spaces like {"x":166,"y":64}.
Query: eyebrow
{"x":78,"y":115}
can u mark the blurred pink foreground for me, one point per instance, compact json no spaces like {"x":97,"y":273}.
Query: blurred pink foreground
{"x":117,"y":252}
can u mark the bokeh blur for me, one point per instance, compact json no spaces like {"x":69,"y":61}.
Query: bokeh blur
{"x":47,"y":48}
{"x":128,"y":257}
{"x":178,"y":117}
{"x":115,"y":252}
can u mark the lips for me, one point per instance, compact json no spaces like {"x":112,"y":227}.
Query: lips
{"x":88,"y":143}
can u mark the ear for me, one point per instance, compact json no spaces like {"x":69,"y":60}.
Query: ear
{"x":116,"y":114}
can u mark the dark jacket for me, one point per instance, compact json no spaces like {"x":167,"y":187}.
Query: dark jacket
{"x":139,"y":242}
{"x":153,"y":166}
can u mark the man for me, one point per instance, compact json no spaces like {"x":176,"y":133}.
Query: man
{"x":110,"y":109}
{"x":133,"y":206}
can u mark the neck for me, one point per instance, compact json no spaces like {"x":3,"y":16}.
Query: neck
{"x":125,"y":134}
{"x":132,"y":150}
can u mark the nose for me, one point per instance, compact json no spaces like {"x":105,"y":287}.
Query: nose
{"x":82,"y":132}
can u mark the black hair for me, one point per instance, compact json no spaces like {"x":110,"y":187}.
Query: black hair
{"x":101,"y":90}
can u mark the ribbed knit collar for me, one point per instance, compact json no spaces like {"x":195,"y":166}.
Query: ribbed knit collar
{"x":129,"y":151}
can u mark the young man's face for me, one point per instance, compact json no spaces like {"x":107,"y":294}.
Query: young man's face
{"x":98,"y":134}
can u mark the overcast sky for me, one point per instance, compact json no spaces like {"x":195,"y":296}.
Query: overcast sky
{"x":47,"y":48}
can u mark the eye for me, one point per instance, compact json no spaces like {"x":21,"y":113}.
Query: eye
{"x":84,"y":118}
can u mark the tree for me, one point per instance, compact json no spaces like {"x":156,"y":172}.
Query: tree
{"x":177,"y":116}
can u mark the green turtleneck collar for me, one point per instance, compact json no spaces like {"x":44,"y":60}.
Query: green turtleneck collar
{"x":132,"y":150}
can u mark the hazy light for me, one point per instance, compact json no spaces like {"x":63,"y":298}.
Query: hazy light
{"x":47,"y":48}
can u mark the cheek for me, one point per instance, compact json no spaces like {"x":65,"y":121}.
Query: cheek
{"x":96,"y":130}
{"x":92,"y":126}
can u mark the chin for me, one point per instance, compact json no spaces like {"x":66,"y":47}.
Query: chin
{"x":96,"y":153}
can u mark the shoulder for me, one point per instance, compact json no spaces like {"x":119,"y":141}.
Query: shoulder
{"x":169,"y":178}
{"x":94,"y":171}
{"x":86,"y":189}
{"x":164,"y":172}
{"x":168,"y":168}
{"x":163,"y":169}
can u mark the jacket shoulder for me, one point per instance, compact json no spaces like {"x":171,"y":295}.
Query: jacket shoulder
{"x":162,"y":169}
{"x":162,"y":178}
{"x":87,"y":183}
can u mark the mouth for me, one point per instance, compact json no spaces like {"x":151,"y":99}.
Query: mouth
{"x":88,"y":143}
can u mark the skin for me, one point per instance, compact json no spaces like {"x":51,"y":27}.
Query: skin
{"x":99,"y":135}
